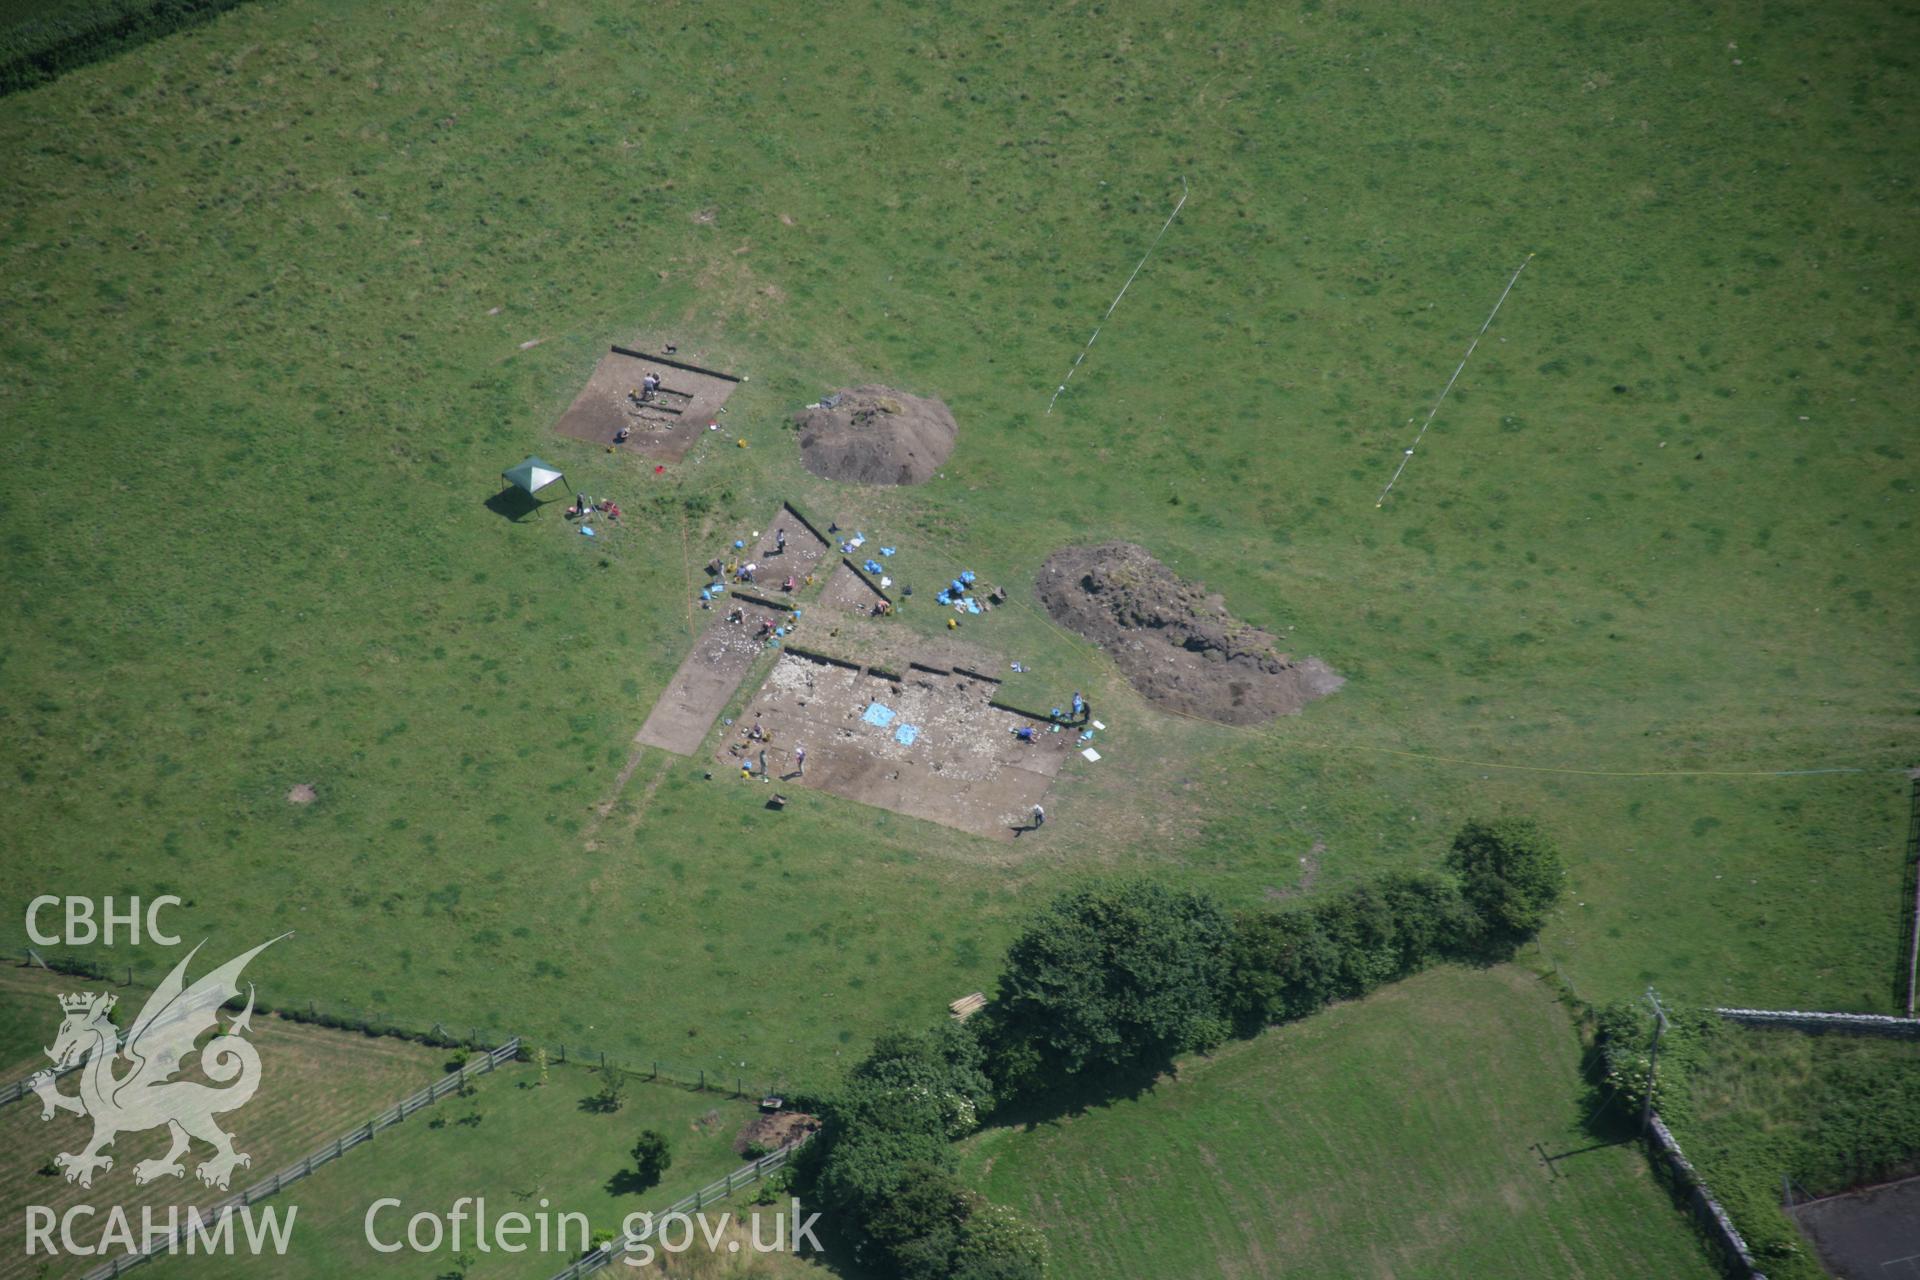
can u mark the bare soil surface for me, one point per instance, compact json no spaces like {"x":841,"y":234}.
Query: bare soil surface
{"x":720,"y":659}
{"x":773,"y":1131}
{"x":847,"y":591}
{"x":1173,"y":640}
{"x":707,"y":678}
{"x":963,"y":768}
{"x":663,"y":427}
{"x":876,"y":435}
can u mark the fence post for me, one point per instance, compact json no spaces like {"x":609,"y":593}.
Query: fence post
{"x":1913,"y":857}
{"x":703,"y":1079}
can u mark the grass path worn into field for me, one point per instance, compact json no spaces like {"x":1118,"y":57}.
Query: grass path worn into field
{"x":274,"y":278}
{"x":1391,"y":1136}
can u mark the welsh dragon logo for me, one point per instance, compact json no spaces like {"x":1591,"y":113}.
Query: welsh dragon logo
{"x":126,"y":1088}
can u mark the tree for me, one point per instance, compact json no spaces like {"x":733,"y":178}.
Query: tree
{"x":1113,"y":979}
{"x":1431,"y":916}
{"x":1288,"y":963}
{"x":939,"y":1075}
{"x":933,"y":1228}
{"x":612,"y":1094}
{"x":858,"y":1170}
{"x":1359,"y":921}
{"x":996,"y":1244}
{"x":1283,"y":967}
{"x":651,"y":1157}
{"x":1510,"y":874}
{"x":918,"y":1223}
{"x":881,"y":1163}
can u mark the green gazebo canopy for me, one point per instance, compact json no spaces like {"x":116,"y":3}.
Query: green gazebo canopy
{"x":533,"y":475}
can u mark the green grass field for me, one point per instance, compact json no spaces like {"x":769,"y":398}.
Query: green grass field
{"x":1394,"y":1136}
{"x":28,"y":1019}
{"x":514,"y":1142}
{"x":270,"y":284}
{"x":254,"y":425}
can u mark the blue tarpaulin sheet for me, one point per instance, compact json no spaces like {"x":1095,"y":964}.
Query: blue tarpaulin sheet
{"x":877,"y":715}
{"x":905,"y":735}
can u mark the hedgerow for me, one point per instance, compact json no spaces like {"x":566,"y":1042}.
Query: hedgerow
{"x":1106,"y":987}
{"x":43,"y":49}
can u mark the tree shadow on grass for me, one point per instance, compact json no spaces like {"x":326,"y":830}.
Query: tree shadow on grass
{"x":513,"y":504}
{"x":631,"y":1182}
{"x":1611,"y":1118}
{"x":1079,"y":1094}
{"x":1087,"y":1093}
